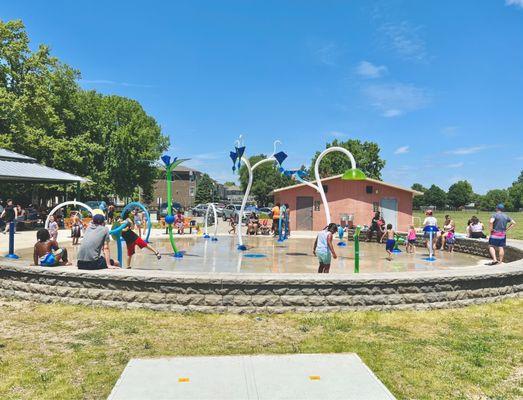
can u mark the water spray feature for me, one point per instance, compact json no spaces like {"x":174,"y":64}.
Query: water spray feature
{"x":169,"y":218}
{"x":205,"y":232}
{"x":237,"y":157}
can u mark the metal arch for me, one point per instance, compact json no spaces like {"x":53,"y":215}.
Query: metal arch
{"x":149,"y":223}
{"x":209,"y":206}
{"x":319,"y":186}
{"x":67,"y":203}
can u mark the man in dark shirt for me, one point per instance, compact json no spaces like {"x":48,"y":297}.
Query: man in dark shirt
{"x":10,"y":214}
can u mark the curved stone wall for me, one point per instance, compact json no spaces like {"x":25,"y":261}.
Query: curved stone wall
{"x":257,"y":293}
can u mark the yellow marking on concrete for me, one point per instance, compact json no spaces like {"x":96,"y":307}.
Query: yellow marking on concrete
{"x":183,"y":379}
{"x":314,"y":377}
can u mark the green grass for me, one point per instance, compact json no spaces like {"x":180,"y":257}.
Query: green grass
{"x":461,"y":218}
{"x":75,"y":352}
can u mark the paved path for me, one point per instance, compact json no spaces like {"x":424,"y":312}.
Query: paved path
{"x":298,"y":376}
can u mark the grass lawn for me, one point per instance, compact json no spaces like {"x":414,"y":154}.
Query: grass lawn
{"x":76,"y":352}
{"x":461,"y":218}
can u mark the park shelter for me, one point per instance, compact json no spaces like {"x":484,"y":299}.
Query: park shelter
{"x":18,"y":168}
{"x":350,"y":202}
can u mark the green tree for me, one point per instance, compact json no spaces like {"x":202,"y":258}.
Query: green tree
{"x":418,"y":201}
{"x":204,"y":190}
{"x":494,"y":197}
{"x":435,"y":196}
{"x":515,"y":193}
{"x":46,"y":115}
{"x":520,"y":178}
{"x":460,"y":194}
{"x":366,"y":154}
{"x":229,"y":183}
{"x":266,"y":178}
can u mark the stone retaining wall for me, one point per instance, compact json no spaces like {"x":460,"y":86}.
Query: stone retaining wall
{"x":475,"y":247}
{"x":252,"y":293}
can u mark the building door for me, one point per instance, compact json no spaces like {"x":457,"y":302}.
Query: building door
{"x":389,"y":211}
{"x":304,"y":213}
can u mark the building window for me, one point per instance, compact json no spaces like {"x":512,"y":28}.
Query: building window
{"x":368,"y":189}
{"x":325,"y":188}
{"x":191,"y":191}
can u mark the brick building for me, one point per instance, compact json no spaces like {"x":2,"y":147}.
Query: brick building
{"x":183,"y":187}
{"x":357,"y":198}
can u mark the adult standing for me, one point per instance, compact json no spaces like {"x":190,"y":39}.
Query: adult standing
{"x":10,"y":214}
{"x":275,"y":218}
{"x":96,"y":240}
{"x":287,"y":217}
{"x":430,"y":220}
{"x":500,"y":223}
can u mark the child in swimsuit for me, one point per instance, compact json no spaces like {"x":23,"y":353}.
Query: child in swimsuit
{"x":76,"y":229}
{"x":391,"y":242}
{"x":53,"y":228}
{"x":411,"y":240}
{"x":132,"y":240}
{"x":46,"y":252}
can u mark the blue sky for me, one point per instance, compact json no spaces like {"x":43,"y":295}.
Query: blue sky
{"x":438,"y":84}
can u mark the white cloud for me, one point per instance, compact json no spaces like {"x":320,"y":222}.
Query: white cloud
{"x":114,"y":83}
{"x":371,"y":71}
{"x":396,"y":99}
{"x":456,"y":165}
{"x":339,"y":135}
{"x":516,"y":3}
{"x":467,"y":150}
{"x":406,"y":40}
{"x":402,"y":150}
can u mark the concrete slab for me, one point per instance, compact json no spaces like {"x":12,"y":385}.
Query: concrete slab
{"x":262,"y":377}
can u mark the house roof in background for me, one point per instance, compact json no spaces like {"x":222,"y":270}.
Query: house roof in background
{"x":414,"y":192}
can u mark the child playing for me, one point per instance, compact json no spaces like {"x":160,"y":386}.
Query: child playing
{"x":46,"y":252}
{"x":451,"y":240}
{"x":234,"y":222}
{"x":411,"y":240}
{"x":389,"y":246}
{"x":76,"y":229}
{"x":53,"y":228}
{"x":323,"y":248}
{"x":132,"y":240}
{"x":179,"y":222}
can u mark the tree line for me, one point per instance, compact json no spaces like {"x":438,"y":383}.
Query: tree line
{"x":45,"y":114}
{"x":460,"y":194}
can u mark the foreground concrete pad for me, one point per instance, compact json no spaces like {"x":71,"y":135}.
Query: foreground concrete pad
{"x":300,"y":376}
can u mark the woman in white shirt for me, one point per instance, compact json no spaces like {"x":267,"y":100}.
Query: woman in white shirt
{"x":475,"y":229}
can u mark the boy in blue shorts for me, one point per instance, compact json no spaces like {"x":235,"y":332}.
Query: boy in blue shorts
{"x":389,"y":245}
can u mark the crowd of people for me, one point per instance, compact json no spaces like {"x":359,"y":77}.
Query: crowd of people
{"x":95,"y":253}
{"x":443,"y":238}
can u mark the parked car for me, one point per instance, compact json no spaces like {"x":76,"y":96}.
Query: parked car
{"x":219,"y":208}
{"x":162,"y":211}
{"x":199,"y":210}
{"x":232,"y":209}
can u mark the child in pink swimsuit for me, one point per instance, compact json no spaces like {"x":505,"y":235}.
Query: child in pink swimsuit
{"x":411,"y":240}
